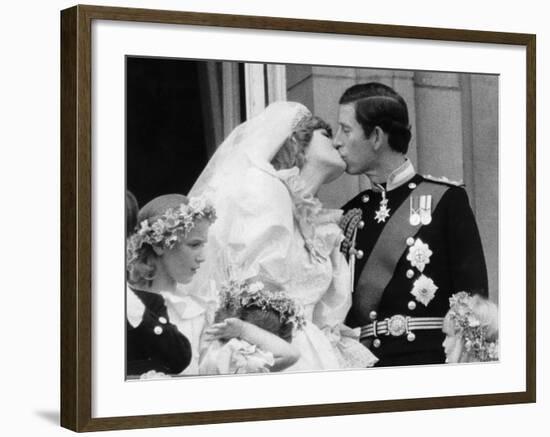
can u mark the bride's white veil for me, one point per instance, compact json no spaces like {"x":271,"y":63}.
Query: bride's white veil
{"x":256,"y":140}
{"x":252,"y":144}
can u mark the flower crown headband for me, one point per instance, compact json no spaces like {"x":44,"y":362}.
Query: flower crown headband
{"x":466,"y":323}
{"x":236,"y":295}
{"x":165,"y":231}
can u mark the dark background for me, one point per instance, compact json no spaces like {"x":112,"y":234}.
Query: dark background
{"x":165,"y":142}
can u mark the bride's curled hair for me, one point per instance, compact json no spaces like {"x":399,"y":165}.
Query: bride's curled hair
{"x":292,"y":153}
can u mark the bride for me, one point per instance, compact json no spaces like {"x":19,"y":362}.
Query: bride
{"x":263,"y":180}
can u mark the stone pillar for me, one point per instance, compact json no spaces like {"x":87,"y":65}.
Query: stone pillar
{"x":255,"y":89}
{"x":484,"y":163}
{"x":439,"y":124}
{"x":276,"y":82}
{"x":299,"y":82}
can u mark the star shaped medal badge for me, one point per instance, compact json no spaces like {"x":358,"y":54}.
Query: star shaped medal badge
{"x":383,"y":212}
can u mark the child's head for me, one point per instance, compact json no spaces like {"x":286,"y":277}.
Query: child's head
{"x":269,"y":320}
{"x":471,"y":328}
{"x":170,"y":239}
{"x":261,"y":303}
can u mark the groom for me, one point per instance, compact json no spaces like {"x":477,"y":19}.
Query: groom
{"x":413,"y":239}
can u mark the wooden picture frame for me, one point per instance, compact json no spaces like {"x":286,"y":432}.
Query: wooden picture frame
{"x":76,"y":217}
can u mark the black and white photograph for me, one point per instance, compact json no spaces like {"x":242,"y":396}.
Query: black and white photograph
{"x":303,"y":218}
{"x":275,"y":218}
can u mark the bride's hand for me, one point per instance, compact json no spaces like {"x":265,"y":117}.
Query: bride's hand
{"x":229,"y":328}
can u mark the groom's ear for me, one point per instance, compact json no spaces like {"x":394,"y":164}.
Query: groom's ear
{"x":378,"y":137}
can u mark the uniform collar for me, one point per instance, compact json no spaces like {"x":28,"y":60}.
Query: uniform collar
{"x":401,"y":175}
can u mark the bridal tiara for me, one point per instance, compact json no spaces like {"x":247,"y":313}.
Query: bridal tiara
{"x":301,"y":114}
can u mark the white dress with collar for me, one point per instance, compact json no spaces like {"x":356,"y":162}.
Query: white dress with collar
{"x":191,"y":314}
{"x":280,"y":233}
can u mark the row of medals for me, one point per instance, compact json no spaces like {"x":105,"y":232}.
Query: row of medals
{"x":420,"y":208}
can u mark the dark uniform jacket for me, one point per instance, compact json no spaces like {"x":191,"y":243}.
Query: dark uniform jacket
{"x":155,"y":344}
{"x":457,"y":263}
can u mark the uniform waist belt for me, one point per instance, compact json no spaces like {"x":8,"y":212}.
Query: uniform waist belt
{"x":399,"y":325}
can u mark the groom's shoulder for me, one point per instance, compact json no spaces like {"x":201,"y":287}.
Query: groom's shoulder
{"x":455,"y":191}
{"x":441,"y":180}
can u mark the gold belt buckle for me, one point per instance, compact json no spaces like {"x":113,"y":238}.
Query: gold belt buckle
{"x":397,"y":325}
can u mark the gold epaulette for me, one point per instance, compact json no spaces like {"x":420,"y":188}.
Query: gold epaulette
{"x":349,"y":223}
{"x":443,"y":180}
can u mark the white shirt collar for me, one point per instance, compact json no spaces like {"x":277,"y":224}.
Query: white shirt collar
{"x":134,"y":308}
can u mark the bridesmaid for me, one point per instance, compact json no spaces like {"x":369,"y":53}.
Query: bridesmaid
{"x":165,"y":249}
{"x":471,"y":329}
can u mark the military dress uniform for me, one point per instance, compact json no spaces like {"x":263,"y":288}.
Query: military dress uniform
{"x":152,"y":342}
{"x":412,"y":243}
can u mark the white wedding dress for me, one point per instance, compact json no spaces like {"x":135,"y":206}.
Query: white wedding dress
{"x":320,"y":281}
{"x":296,"y":244}
{"x":268,"y":227}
